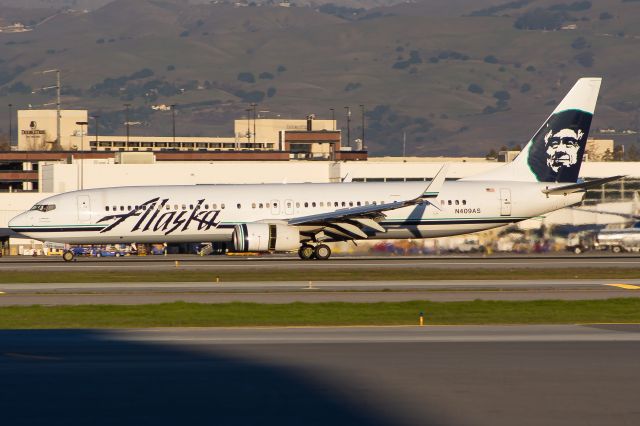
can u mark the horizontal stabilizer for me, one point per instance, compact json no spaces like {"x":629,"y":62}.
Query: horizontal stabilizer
{"x":578,"y":187}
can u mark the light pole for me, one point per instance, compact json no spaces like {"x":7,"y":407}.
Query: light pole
{"x":10,"y":126}
{"x":362,"y":109}
{"x":96,"y":118}
{"x":126,"y":115}
{"x":81,"y":124}
{"x":173,"y":122}
{"x":348,"y":125}
{"x":58,"y":102}
{"x":333,"y":117}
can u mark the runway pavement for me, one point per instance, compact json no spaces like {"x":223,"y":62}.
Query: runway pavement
{"x":280,"y":262}
{"x":130,"y":293}
{"x":455,"y":375}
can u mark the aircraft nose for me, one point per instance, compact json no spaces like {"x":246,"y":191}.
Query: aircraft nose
{"x":19,"y":221}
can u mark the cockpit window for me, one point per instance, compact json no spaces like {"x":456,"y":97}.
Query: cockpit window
{"x":44,"y":207}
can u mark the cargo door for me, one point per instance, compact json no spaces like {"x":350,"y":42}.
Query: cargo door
{"x":84,"y":209}
{"x":505,"y":202}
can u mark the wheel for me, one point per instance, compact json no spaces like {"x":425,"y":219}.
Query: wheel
{"x":577,"y":250}
{"x":67,"y":256}
{"x":322,"y":252}
{"x":98,"y":254}
{"x":117,"y":254}
{"x":306,"y":252}
{"x":616,"y":249}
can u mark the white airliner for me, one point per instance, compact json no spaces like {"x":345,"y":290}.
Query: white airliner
{"x":303,"y":217}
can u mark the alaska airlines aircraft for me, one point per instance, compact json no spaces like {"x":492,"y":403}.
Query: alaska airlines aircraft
{"x":303,"y":217}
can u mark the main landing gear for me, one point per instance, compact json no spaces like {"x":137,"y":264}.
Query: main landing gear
{"x":319,"y":252}
{"x":68,"y":256}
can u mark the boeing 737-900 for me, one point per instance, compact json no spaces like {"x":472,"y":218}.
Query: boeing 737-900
{"x":303,"y":217}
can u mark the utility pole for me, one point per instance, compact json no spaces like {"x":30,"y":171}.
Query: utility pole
{"x":81,"y":180}
{"x":333,"y":117}
{"x":348,"y":125}
{"x":362,"y":109}
{"x":254,"y":105}
{"x":127,"y":106}
{"x":58,"y":88}
{"x":173,"y":119}
{"x":404,"y":144}
{"x":96,"y":117}
{"x":248,"y":127}
{"x":10,"y":126}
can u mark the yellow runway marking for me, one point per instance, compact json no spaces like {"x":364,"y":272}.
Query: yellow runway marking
{"x":625,"y":286}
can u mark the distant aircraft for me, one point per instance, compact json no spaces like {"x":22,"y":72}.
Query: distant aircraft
{"x":303,"y":217}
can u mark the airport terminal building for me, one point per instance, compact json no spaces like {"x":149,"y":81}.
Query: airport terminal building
{"x":269,"y":151}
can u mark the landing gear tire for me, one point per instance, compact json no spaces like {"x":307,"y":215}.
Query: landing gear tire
{"x":306,"y":252}
{"x":67,"y":256}
{"x":322,"y":252}
{"x":616,"y":249}
{"x":577,"y":250}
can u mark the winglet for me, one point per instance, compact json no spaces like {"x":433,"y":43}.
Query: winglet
{"x":434,"y":187}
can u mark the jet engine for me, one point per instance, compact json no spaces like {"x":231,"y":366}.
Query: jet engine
{"x":262,"y":237}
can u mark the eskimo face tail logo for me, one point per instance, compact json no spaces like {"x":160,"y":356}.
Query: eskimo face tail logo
{"x":557,"y":149}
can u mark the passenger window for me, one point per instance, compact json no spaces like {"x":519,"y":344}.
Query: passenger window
{"x":274,"y":205}
{"x":358,"y":203}
{"x":106,"y":208}
{"x":168,"y":207}
{"x":239,"y":206}
{"x":449,"y":202}
{"x":253,"y":205}
{"x":464,"y":202}
{"x":184,"y":207}
{"x":350,"y":203}
{"x":121,"y":208}
{"x":366,"y":203}
{"x":190,"y":206}
{"x":298,"y":205}
{"x":206,"y":206}
{"x":222,"y":206}
{"x":375,"y":203}
{"x":266,"y":205}
{"x":128,"y":207}
{"x":306,"y":204}
{"x":313,"y":204}
{"x":175,"y":207}
{"x":457,"y":202}
{"x":442,"y":202}
{"x":214,"y":206}
{"x":115,"y":208}
{"x":321,"y":203}
{"x":335,"y":204}
{"x":288,"y":205}
{"x":344,"y":204}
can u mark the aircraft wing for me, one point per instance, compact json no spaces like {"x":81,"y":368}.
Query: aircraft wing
{"x":577,"y":187}
{"x":346,"y":222}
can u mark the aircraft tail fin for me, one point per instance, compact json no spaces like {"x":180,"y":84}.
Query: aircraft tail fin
{"x":555,"y":152}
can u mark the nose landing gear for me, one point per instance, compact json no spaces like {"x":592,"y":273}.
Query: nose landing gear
{"x":319,"y":252}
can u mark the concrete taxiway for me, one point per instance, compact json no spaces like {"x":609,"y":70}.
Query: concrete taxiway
{"x":456,"y":375}
{"x":130,"y":293}
{"x":279,"y":262}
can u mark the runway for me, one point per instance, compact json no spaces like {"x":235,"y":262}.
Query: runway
{"x":456,"y":375}
{"x":281,"y":262}
{"x":131,"y":293}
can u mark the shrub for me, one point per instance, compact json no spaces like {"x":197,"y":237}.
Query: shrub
{"x":490,"y":59}
{"x":247,"y":77}
{"x":266,"y":76}
{"x":475,"y":88}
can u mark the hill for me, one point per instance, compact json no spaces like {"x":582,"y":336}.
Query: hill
{"x":458,"y":76}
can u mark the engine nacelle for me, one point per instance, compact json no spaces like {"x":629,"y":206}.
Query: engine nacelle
{"x":262,"y":237}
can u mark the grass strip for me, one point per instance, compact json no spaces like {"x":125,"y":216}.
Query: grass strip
{"x":181,"y":314}
{"x":319,"y":274}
